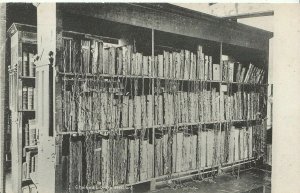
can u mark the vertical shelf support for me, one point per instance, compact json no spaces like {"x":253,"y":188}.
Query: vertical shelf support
{"x":2,"y":93}
{"x":153,"y":182}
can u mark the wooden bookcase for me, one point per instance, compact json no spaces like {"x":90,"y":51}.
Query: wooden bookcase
{"x":23,"y":48}
{"x":138,"y":93}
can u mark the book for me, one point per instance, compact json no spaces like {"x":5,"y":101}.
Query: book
{"x":119,"y":61}
{"x":26,"y":129}
{"x":32,"y":132}
{"x":187,"y":64}
{"x":145,"y":66}
{"x":137,"y":112}
{"x":130,"y":112}
{"x":177,"y":64}
{"x":125,"y":112}
{"x":230,"y":71}
{"x":144,"y":160}
{"x":158,"y":160}
{"x":129,"y":59}
{"x":28,"y":165}
{"x":150,"y":111}
{"x":216,"y":72}
{"x":210,"y":68}
{"x":203,"y":148}
{"x":236,"y":133}
{"x":171,"y":65}
{"x":150,"y":160}
{"x":30,"y":97}
{"x":206,"y":68}
{"x":231,"y":150}
{"x":75,"y":165}
{"x":76,"y":56}
{"x":94,"y":56}
{"x":25,"y":97}
{"x":191,"y":72}
{"x":224,"y":60}
{"x":238,"y":72}
{"x":31,"y":65}
{"x":210,"y":148}
{"x":85,"y":56}
{"x":100,"y":63}
{"x":250,"y":143}
{"x":112,"y":60}
{"x":25,"y":63}
{"x":67,"y":54}
{"x":155,"y":68}
{"x":106,"y":61}
{"x":160,"y":65}
{"x":106,"y":163}
{"x":179,"y":154}
{"x":166,"y":64}
{"x":143,"y":104}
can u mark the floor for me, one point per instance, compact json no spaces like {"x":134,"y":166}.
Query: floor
{"x":251,"y":181}
{"x":8,"y":185}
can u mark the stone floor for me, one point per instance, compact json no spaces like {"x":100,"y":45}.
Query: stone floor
{"x":251,"y":181}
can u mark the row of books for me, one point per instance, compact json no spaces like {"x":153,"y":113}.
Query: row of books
{"x":112,"y":161}
{"x":90,"y":56}
{"x":103,"y":110}
{"x":28,"y":66}
{"x":209,"y":148}
{"x":235,"y":72}
{"x":107,"y":161}
{"x":29,"y":189}
{"x":30,"y":165}
{"x":31,"y":133}
{"x":28,"y":98}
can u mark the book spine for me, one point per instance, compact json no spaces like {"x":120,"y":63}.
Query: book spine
{"x":85,"y":56}
{"x":25,"y":63}
{"x":94,"y":56}
{"x":25,"y":97}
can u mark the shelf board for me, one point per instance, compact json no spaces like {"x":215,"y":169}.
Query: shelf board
{"x":31,"y":147}
{"x":27,"y":179}
{"x":107,"y":76}
{"x":26,"y":110}
{"x":82,"y":132}
{"x":27,"y":77}
{"x":194,"y":172}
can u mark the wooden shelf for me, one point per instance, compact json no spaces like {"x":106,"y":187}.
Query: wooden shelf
{"x":26,"y":110}
{"x":110,"y":76}
{"x":191,"y":173}
{"x":83,"y":132}
{"x":31,"y":147}
{"x":27,"y":77}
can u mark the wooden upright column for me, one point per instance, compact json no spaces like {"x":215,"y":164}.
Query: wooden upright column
{"x":46,"y":37}
{"x":2,"y":93}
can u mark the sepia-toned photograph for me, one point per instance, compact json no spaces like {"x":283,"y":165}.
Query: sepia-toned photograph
{"x":147,"y":97}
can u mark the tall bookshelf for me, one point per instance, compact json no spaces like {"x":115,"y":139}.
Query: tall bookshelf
{"x":23,"y":48}
{"x":127,"y":102}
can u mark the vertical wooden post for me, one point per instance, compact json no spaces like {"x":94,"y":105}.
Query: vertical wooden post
{"x":2,"y":93}
{"x":152,"y":182}
{"x":47,"y":50}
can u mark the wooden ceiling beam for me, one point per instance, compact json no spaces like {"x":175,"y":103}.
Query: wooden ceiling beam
{"x":250,"y":15}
